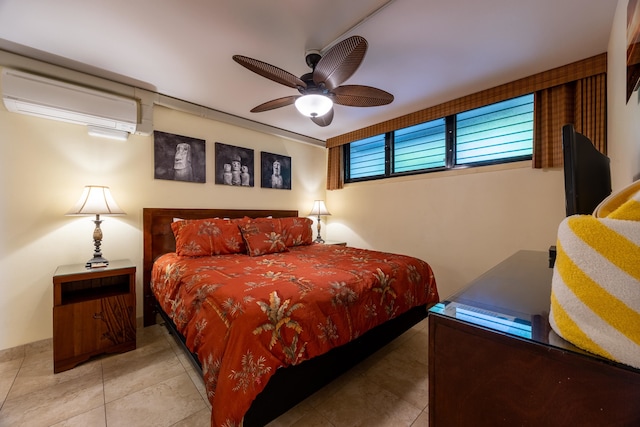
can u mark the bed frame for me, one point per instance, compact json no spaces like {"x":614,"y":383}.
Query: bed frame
{"x":291,"y":385}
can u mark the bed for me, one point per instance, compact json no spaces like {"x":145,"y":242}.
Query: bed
{"x":304,"y":322}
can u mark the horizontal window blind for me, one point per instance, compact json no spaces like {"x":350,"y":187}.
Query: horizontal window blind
{"x":420,"y":147}
{"x":499,"y":131}
{"x":367,"y":157}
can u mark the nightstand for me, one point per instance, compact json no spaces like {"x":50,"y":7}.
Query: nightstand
{"x":94,"y":312}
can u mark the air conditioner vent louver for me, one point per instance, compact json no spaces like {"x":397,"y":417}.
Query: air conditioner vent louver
{"x":52,"y":99}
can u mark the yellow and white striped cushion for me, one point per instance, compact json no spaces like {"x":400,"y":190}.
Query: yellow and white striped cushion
{"x":595,"y":294}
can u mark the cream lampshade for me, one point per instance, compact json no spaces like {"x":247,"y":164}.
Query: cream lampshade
{"x":96,"y":200}
{"x":318,"y":209}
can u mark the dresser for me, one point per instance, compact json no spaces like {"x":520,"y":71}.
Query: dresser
{"x":495,"y":361}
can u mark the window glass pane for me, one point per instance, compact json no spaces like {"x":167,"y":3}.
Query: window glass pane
{"x":421,"y":146}
{"x":367,"y":157}
{"x":495,"y":132}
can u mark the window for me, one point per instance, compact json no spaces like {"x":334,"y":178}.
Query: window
{"x":496,"y":133}
{"x":420,"y":147}
{"x":367,"y":157}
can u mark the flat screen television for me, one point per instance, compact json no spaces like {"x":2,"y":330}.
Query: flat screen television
{"x":587,"y":173}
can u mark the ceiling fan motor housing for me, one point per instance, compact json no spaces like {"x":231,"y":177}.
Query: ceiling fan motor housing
{"x":312,"y":87}
{"x":312,"y":56}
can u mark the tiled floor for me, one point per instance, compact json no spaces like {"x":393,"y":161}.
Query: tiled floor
{"x":155,"y":385}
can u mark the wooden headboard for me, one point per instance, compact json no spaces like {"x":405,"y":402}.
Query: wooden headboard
{"x":158,"y":238}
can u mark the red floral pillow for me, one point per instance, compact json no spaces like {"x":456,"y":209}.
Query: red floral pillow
{"x":241,"y":221}
{"x":263,"y":237}
{"x":296,"y":231}
{"x":207,"y":237}
{"x":274,"y":221}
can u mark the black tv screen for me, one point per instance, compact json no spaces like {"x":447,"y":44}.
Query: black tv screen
{"x":587,"y":173}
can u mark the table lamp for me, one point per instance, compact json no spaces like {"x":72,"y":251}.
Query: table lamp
{"x":319,"y":209}
{"x":96,"y":200}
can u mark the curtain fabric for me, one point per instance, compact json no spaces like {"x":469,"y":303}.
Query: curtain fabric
{"x":553,"y":108}
{"x":591,"y":110}
{"x":582,"y":103}
{"x":335,"y":176}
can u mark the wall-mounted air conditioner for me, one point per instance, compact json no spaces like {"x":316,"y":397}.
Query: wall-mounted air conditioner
{"x":52,"y":99}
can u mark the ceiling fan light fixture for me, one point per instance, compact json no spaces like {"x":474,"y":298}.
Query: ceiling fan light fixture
{"x":314,"y":105}
{"x":322,"y":87}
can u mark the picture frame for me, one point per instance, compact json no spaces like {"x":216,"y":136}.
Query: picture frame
{"x":275,"y":171}
{"x":633,"y":47}
{"x":234,"y":165}
{"x":178,"y":157}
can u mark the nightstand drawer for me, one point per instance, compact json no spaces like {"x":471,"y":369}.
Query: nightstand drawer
{"x":84,"y":329}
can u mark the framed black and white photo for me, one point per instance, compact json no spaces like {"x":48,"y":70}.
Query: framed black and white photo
{"x":234,"y":165}
{"x":275,"y":171}
{"x":633,"y":47}
{"x":178,"y":158}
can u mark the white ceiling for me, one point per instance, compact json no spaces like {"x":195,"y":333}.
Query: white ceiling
{"x":424,"y":52}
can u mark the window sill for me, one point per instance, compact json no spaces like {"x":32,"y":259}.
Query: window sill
{"x":450,"y":172}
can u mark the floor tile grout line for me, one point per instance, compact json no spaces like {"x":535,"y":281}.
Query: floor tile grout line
{"x":104,"y":396}
{"x":13,"y":382}
{"x":164,"y":379}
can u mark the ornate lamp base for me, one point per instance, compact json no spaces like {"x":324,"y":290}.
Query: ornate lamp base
{"x":97,"y":260}
{"x":319,"y":239}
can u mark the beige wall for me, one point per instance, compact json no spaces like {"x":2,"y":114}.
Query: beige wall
{"x":461,"y":222}
{"x":45,"y":165}
{"x":464,"y":223}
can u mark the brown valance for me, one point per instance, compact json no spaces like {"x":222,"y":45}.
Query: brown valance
{"x":548,"y":79}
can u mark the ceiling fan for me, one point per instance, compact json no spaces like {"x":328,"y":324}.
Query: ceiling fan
{"x":321,"y":88}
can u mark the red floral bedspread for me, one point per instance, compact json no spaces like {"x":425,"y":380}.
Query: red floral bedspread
{"x":247,"y":316}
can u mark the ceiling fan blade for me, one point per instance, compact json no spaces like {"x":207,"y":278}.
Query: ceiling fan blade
{"x":323,"y":120}
{"x":361,"y":96}
{"x":340,"y":62}
{"x":275,"y":103}
{"x":269,"y":71}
